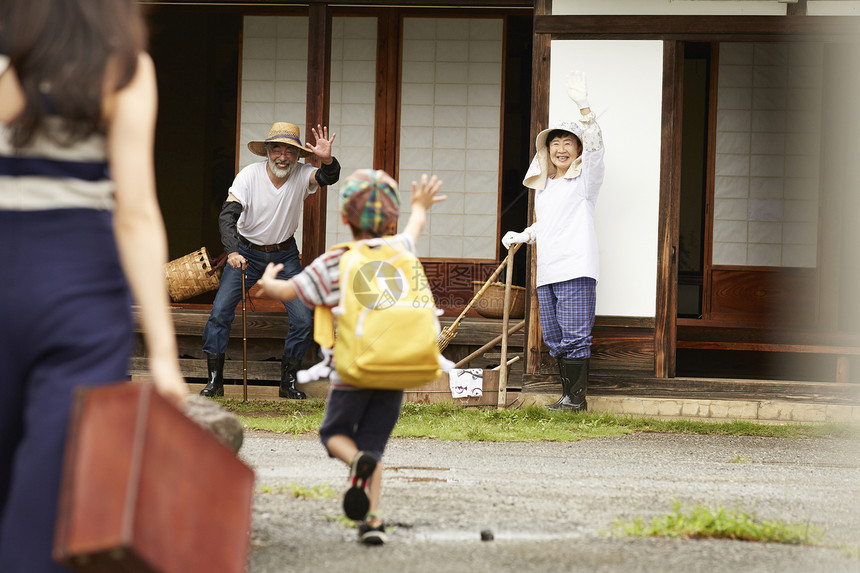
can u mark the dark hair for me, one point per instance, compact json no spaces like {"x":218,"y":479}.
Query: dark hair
{"x":560,"y":133}
{"x":389,"y":229}
{"x":61,"y":51}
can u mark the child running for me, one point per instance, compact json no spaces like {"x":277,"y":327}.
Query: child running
{"x":359,"y":421}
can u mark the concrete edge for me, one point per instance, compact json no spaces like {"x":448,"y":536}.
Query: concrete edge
{"x":770,"y":411}
{"x":721,"y":410}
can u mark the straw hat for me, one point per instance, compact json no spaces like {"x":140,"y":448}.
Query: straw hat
{"x":538,"y":170}
{"x":281,"y":132}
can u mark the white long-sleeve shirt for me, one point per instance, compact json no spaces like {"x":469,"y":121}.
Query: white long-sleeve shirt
{"x":564,"y":233}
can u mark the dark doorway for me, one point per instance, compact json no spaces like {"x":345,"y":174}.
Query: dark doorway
{"x":196,"y":56}
{"x":694,"y":180}
{"x":515,"y":160}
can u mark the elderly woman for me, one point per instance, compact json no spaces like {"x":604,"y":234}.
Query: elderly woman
{"x":566,"y":174}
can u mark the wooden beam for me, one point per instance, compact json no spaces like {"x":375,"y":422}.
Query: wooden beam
{"x":752,"y":338}
{"x":721,"y":389}
{"x":539,"y":120}
{"x":696,"y":28}
{"x":667,"y":234}
{"x":485,"y":4}
{"x":317,"y":112}
{"x":644,"y":386}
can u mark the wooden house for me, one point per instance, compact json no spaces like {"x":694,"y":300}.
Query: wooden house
{"x":728,"y":249}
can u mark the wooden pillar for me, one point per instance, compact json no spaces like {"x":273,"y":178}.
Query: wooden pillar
{"x":317,"y":112}
{"x":386,"y":146}
{"x":539,"y":121}
{"x":665,"y":334}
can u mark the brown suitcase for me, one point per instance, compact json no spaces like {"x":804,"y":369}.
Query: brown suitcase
{"x":145,"y":489}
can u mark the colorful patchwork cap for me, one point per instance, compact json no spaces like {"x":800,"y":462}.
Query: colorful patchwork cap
{"x":369,"y":200}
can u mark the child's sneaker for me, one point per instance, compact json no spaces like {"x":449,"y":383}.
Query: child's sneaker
{"x":355,"y":502}
{"x":370,"y":535}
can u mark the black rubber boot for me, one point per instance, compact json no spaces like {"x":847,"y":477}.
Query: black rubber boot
{"x":565,"y":384}
{"x":215,"y":366}
{"x":288,"y":380}
{"x":574,"y":381}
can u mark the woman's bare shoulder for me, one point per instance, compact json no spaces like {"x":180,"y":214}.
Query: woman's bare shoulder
{"x":11,"y":97}
{"x":142,"y":86}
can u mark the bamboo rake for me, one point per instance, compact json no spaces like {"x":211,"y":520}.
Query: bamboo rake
{"x":488,"y":345}
{"x":449,"y":332}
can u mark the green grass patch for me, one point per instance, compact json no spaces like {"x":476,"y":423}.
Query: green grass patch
{"x":531,"y":424}
{"x":274,"y":407}
{"x":279,"y":416}
{"x":452,"y":422}
{"x":703,"y":522}
{"x":739,"y":459}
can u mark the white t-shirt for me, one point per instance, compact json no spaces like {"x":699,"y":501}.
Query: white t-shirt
{"x":565,"y":238}
{"x":270,"y":215}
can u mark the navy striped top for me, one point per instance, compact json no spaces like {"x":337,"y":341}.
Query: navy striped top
{"x":46,"y":175}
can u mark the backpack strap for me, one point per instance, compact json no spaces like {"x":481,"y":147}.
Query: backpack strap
{"x":323,"y":318}
{"x":324,"y":332}
{"x":323,"y":326}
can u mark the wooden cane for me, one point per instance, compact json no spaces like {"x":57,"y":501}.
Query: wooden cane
{"x":503,"y":375}
{"x":244,"y":344}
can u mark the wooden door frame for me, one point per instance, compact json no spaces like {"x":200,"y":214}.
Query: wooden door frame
{"x":665,"y":325}
{"x":541,"y":44}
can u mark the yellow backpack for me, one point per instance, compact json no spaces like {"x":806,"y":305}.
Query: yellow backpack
{"x":387,"y":325}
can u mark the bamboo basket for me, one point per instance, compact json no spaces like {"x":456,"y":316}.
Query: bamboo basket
{"x":492,"y":304}
{"x":191,"y":275}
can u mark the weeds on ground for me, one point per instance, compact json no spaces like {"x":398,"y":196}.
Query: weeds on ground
{"x":342,"y":521}
{"x":739,"y":459}
{"x":719,"y":523}
{"x":448,"y":421}
{"x":301,"y":492}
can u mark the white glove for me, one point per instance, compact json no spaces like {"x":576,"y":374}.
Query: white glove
{"x":577,"y":89}
{"x":512,"y":238}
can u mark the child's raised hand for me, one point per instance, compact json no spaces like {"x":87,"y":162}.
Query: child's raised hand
{"x":424,"y":195}
{"x":269,"y":281}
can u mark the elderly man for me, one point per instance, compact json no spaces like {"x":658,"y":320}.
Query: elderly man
{"x":257,"y":223}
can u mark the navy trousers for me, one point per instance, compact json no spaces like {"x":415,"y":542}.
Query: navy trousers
{"x":65,"y":322}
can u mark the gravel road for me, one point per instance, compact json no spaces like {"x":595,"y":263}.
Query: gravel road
{"x":548,"y":505}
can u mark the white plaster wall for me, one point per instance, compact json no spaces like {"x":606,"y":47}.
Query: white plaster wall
{"x":768,"y":154}
{"x":833,"y":8}
{"x":274,"y":81}
{"x":671,"y":7}
{"x":625,"y":92}
{"x":450,"y":118}
{"x":352,"y":109}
